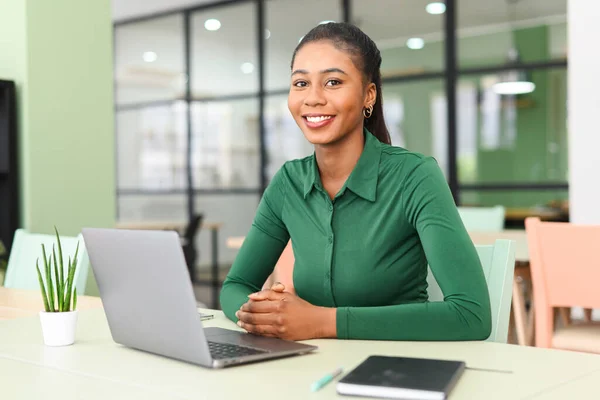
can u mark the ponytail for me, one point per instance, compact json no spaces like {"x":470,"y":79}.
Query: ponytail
{"x":376,"y":122}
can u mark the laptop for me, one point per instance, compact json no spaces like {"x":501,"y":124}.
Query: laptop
{"x":150,"y":305}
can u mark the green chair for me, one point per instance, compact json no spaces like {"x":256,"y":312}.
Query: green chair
{"x":483,"y":219}
{"x":27,"y":248}
{"x":498,"y":262}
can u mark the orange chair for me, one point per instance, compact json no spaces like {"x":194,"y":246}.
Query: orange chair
{"x":565,"y":271}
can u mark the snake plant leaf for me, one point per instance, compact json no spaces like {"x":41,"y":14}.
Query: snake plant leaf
{"x":74,"y":299}
{"x":62,"y":264}
{"x":50,"y":286}
{"x":69,"y":287}
{"x":76,"y":253}
{"x":59,"y":283}
{"x":39,"y":274}
{"x":70,"y":277}
{"x":60,"y":252}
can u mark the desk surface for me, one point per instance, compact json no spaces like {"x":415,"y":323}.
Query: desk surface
{"x":534,"y":371}
{"x":584,"y":387}
{"x":15,"y":303}
{"x":518,"y":235}
{"x":25,"y":381}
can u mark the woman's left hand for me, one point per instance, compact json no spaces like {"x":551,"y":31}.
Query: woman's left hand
{"x":284,"y":315}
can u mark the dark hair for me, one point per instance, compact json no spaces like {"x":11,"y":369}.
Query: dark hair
{"x":366,"y":57}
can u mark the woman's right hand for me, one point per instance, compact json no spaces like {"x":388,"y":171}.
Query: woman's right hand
{"x":275,"y":312}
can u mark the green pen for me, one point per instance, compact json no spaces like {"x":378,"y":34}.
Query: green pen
{"x":325,"y":380}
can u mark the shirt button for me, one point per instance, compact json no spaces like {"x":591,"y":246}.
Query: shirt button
{"x":331,"y":239}
{"x":330,"y":207}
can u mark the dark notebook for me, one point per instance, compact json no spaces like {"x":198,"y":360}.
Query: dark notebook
{"x":402,"y":378}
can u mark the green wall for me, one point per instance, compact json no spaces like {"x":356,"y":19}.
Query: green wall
{"x":59,"y":53}
{"x":536,"y":126}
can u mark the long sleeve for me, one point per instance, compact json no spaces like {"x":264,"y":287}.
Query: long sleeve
{"x":260,"y":251}
{"x":465,"y":312}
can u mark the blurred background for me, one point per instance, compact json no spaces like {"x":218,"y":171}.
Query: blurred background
{"x":197,"y":122}
{"x":202,"y":121}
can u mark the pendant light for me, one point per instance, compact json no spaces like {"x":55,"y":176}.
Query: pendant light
{"x":513,"y":82}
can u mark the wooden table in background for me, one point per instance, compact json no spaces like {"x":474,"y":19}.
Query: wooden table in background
{"x":514,"y":218}
{"x":17,"y":303}
{"x":235,"y":242}
{"x":545,"y":214}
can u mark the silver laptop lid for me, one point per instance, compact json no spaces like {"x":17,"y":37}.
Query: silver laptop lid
{"x":146,"y":291}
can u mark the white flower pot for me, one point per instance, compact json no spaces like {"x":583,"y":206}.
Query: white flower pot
{"x":58,"y":328}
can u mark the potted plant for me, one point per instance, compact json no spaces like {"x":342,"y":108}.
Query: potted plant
{"x":59,"y":295}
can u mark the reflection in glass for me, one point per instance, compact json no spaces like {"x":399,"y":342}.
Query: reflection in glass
{"x":409,"y":38}
{"x":225,"y":144}
{"x":488,"y":30}
{"x":513,"y":138}
{"x":149,"y":60}
{"x":171,"y":207}
{"x":151,"y":145}
{"x":224,"y":61}
{"x":415,"y":114}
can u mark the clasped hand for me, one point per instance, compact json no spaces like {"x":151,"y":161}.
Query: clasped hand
{"x":276,"y":313}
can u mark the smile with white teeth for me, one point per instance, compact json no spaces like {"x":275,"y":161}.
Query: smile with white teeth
{"x":319,"y":118}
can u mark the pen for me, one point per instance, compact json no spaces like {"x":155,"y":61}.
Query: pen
{"x":325,"y":380}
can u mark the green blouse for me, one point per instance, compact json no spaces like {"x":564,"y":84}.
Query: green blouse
{"x":366,"y":252}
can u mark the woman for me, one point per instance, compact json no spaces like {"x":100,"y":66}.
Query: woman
{"x":365,"y":219}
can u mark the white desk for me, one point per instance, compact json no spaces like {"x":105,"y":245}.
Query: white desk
{"x":584,"y":387}
{"x":25,"y":381}
{"x":94,"y":354}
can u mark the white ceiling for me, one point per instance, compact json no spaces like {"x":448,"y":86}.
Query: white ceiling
{"x":218,"y":55}
{"x":471,"y":12}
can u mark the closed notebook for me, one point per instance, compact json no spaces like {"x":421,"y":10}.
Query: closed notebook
{"x":402,"y":378}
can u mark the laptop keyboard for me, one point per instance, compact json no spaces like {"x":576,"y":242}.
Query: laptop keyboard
{"x":220,"y":351}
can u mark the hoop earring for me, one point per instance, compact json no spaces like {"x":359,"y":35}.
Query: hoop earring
{"x":367,"y":112}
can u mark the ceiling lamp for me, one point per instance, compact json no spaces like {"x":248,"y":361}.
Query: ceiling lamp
{"x":513,"y":82}
{"x":212,"y":24}
{"x":436,"y":8}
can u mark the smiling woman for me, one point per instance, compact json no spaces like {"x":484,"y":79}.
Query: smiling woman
{"x":365,"y":219}
{"x":345,"y":78}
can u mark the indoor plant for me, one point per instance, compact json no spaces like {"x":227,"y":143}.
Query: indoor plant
{"x":60,"y":297}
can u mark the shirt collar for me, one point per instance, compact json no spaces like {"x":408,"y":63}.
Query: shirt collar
{"x":363,"y":179}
